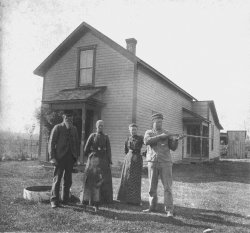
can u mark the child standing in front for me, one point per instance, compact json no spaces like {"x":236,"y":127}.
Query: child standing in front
{"x":92,"y":181}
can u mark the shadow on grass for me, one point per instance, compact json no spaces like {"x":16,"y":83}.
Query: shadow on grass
{"x":190,"y":217}
{"x":114,"y":212}
{"x":229,"y":171}
{"x":147,"y":218}
{"x":211,"y":216}
{"x":185,"y":216}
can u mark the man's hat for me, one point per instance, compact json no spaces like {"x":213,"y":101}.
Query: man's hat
{"x":68,"y":113}
{"x":157,"y":116}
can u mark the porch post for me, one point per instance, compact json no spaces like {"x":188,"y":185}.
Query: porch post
{"x":190,"y":147}
{"x":182,"y":146}
{"x":201,"y":132}
{"x":83,"y":132}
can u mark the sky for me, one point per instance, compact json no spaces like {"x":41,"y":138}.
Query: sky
{"x":201,"y":45}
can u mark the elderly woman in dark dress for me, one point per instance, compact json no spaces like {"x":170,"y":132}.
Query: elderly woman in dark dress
{"x":99,"y":145}
{"x":130,"y":186}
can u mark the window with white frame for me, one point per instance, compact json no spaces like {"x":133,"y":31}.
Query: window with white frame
{"x":86,"y":67}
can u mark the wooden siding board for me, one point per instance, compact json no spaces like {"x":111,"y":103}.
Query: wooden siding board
{"x":216,"y":149}
{"x":153,"y":96}
{"x":112,"y":70}
{"x":200,"y":108}
{"x":236,"y":144}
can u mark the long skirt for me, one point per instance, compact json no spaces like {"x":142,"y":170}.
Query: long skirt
{"x":130,"y":184}
{"x":106,"y":189}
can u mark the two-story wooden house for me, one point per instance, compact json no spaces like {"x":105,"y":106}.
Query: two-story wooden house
{"x":99,"y":79}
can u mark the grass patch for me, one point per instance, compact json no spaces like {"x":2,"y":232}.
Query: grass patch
{"x":205,"y":196}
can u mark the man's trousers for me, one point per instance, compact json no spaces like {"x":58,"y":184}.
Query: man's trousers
{"x":63,"y":169}
{"x":164,"y":170}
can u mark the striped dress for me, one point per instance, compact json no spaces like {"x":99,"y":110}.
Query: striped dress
{"x":130,"y":184}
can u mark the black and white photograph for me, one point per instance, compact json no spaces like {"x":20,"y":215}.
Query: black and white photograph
{"x":125,"y":116}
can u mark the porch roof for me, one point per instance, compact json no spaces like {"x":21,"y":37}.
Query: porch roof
{"x":76,"y":95}
{"x":192,"y":117}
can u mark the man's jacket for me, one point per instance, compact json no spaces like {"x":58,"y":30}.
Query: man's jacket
{"x":63,"y":141}
{"x":158,"y":150}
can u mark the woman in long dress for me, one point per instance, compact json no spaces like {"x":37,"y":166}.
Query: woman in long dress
{"x":99,"y":145}
{"x":130,"y":185}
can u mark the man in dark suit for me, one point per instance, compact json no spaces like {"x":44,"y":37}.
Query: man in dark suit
{"x":63,"y":151}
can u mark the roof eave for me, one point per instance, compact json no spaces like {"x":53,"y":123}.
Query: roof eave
{"x":69,"y":41}
{"x":196,"y":115}
{"x":73,"y":37}
{"x":165,"y":78}
{"x":215,"y":115}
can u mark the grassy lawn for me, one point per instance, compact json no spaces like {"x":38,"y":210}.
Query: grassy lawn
{"x":213,"y":196}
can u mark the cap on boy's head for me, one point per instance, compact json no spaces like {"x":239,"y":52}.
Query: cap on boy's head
{"x":68,"y":113}
{"x":157,"y":116}
{"x":133,"y":125}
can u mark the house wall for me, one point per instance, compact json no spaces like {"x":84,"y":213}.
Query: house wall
{"x":154,"y":95}
{"x":215,"y":152}
{"x":200,"y":108}
{"x":112,"y":70}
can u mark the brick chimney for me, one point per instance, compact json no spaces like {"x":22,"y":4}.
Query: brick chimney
{"x":131,"y":45}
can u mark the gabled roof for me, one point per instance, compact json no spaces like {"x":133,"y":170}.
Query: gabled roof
{"x":214,"y":113}
{"x":77,"y":34}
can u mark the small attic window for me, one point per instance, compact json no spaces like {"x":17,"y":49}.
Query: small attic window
{"x":86,"y":70}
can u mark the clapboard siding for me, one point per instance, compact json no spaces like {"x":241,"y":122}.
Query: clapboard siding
{"x":112,"y":70}
{"x":215,"y":152}
{"x":201,"y":108}
{"x":156,"y":96}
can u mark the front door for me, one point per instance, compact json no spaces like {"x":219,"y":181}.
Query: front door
{"x":89,"y":123}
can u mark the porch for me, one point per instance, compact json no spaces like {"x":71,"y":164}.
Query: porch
{"x":86,"y":105}
{"x":195,"y":146}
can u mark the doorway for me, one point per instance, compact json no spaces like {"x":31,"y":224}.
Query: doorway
{"x":89,"y":123}
{"x":193,"y":143}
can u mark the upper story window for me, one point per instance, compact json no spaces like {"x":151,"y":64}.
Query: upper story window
{"x":86,"y":66}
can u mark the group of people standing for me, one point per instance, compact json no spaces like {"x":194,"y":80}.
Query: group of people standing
{"x":97,"y":178}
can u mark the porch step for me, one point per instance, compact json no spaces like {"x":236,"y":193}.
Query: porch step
{"x":195,"y":160}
